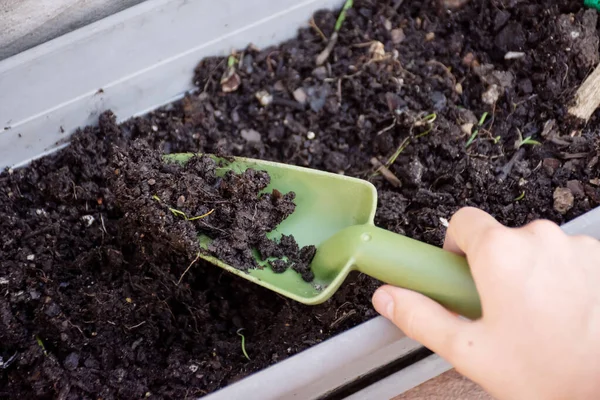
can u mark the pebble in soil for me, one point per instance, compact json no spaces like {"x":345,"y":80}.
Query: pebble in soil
{"x":113,"y":321}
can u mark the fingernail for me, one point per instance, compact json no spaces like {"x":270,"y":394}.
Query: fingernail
{"x":383,"y":303}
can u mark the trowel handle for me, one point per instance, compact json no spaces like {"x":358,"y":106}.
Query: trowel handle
{"x":400,"y":261}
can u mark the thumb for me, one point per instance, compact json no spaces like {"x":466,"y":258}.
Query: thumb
{"x":425,"y":321}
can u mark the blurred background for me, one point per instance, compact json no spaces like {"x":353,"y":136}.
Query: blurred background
{"x":27,"y":23}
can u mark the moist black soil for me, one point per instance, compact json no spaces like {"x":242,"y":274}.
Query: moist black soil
{"x":167,"y":205}
{"x":454,"y":96}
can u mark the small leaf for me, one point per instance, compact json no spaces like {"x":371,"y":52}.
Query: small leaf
{"x":202,"y":216}
{"x":342,"y":17}
{"x":472,"y":138}
{"x":482,"y":119}
{"x":520,"y":197}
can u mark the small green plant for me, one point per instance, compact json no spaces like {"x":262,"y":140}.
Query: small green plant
{"x":523,"y":142}
{"x":177,"y":212}
{"x":426,"y":120}
{"x":530,"y":141}
{"x":231,"y":61}
{"x":430,"y":118}
{"x":324,"y":55}
{"x":398,"y":151}
{"x":476,"y":131}
{"x":41,"y":344}
{"x":521,"y":196}
{"x":201,"y":216}
{"x":342,"y":17}
{"x":239,"y":332}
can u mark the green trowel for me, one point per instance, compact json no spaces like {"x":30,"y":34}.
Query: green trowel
{"x":335,"y":213}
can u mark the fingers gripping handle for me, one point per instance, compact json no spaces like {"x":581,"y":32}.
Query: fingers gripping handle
{"x":400,"y":261}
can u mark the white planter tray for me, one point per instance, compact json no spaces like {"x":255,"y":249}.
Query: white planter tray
{"x":143,"y":58}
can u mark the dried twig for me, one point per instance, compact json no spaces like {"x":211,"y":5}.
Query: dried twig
{"x":587,"y":98}
{"x":324,"y":55}
{"x":288,"y":103}
{"x":188,"y":268}
{"x":342,"y":319}
{"x":314,"y":25}
{"x":135,"y":326}
{"x":386,"y":173}
{"x":505,"y":171}
{"x":446,"y":70}
{"x":387,"y":128}
{"x":76,"y":327}
{"x":103,"y":226}
{"x":398,"y":151}
{"x":573,"y":156}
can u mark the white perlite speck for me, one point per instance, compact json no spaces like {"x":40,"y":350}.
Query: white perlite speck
{"x":265,"y":98}
{"x":512,"y":55}
{"x":88,"y":219}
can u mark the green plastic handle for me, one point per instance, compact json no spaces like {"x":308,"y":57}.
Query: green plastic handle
{"x":401,"y":261}
{"x":592,"y":3}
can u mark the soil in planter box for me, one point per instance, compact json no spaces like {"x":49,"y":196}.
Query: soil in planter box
{"x":167,"y":205}
{"x":449,"y":94}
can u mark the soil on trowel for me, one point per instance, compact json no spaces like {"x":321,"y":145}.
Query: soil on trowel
{"x":464,"y":102}
{"x":167,"y":205}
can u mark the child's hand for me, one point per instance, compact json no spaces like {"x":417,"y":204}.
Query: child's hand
{"x":539,"y":337}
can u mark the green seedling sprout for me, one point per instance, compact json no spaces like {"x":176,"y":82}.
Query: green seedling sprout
{"x":527,"y":141}
{"x":41,"y":344}
{"x":482,"y":119}
{"x":180,"y":213}
{"x":324,"y":55}
{"x":521,"y":196}
{"x":398,"y":151}
{"x":342,"y":17}
{"x":231,"y":61}
{"x":177,"y":212}
{"x":476,"y":131}
{"x":201,"y":216}
{"x":428,"y":120}
{"x":239,"y":332}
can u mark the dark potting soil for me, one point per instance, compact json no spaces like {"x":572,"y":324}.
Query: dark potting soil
{"x":89,"y":310}
{"x":167,"y":205}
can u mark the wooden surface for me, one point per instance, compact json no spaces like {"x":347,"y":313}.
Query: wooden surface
{"x":447,"y":386}
{"x":587,"y":98}
{"x":27,"y":23}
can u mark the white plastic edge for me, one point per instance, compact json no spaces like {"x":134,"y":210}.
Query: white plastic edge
{"x":141,"y":58}
{"x":320,"y":369}
{"x":587,"y":224}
